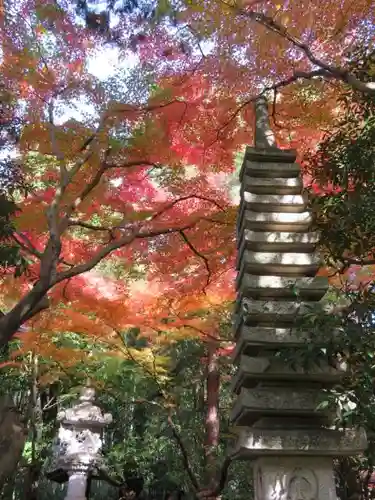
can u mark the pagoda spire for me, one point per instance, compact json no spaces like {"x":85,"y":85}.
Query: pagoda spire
{"x":264,"y":136}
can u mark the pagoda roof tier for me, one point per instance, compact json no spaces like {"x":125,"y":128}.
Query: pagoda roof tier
{"x":276,"y":241}
{"x":267,"y":156}
{"x":274,"y":221}
{"x":253,"y":443}
{"x":279,"y":264}
{"x":275,"y":185}
{"x":270,"y":169}
{"x":284,"y":287}
{"x":286,"y":203}
{"x":254,"y":370}
{"x":279,"y":401}
{"x":274,"y":311}
{"x":251,"y":339}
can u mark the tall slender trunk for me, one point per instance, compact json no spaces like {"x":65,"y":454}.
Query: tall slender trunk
{"x":212,"y":416}
{"x":13,"y":435}
{"x":36,"y":422}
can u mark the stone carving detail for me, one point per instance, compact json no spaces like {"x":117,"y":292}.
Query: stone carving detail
{"x":302,"y":485}
{"x":298,"y":484}
{"x":258,"y":483}
{"x":85,"y":411}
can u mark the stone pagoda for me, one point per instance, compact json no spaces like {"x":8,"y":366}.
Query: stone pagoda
{"x":79,"y":443}
{"x":278,"y":420}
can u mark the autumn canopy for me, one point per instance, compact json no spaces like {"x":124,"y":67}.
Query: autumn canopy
{"x":123,"y":126}
{"x":126,"y":208}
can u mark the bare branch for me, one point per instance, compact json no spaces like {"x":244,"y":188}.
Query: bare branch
{"x":361,"y":262}
{"x":26,"y":245}
{"x":95,"y":181}
{"x":103,"y":474}
{"x":185,"y":457}
{"x":42,"y":305}
{"x":205,"y":334}
{"x":87,"y":225}
{"x":184,"y":198}
{"x":133,"y":163}
{"x":132,"y":236}
{"x":198,"y":254}
{"x":212,"y":494}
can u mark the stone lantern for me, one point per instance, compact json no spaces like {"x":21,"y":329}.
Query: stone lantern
{"x":79,"y":443}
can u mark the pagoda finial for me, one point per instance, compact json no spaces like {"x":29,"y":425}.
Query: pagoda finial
{"x":264,"y":137}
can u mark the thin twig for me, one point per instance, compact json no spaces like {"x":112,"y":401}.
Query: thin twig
{"x":298,"y":75}
{"x":185,"y":457}
{"x":198,"y":254}
{"x":329,"y":70}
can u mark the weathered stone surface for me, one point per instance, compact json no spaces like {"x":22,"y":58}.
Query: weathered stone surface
{"x":275,"y":221}
{"x":77,"y":449}
{"x":270,"y":155}
{"x":287,"y":203}
{"x":294,"y":478}
{"x":267,"y":156}
{"x":276,"y":286}
{"x":253,"y":286}
{"x":251,"y":339}
{"x":253,"y":370}
{"x":279,"y":263}
{"x":277,"y":185}
{"x":253,"y":404}
{"x":77,"y":486}
{"x":282,"y":258}
{"x":276,"y":241}
{"x":274,"y":311}
{"x":264,"y":136}
{"x":254,"y":442}
{"x":271,"y":169}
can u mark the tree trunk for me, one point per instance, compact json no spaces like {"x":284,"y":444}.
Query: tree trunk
{"x":31,"y":304}
{"x":349,"y":484}
{"x":35,"y":423}
{"x":212,"y":416}
{"x":12,"y":438}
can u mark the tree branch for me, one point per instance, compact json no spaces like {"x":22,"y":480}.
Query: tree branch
{"x":334,"y":71}
{"x":205,"y":334}
{"x":95,"y":181}
{"x":198,"y":254}
{"x":185,"y":457}
{"x":49,"y":276}
{"x":103,"y":474}
{"x":297,"y":75}
{"x":87,"y":225}
{"x":27,"y":246}
{"x":170,"y":205}
{"x":212,"y":494}
{"x":114,"y":245}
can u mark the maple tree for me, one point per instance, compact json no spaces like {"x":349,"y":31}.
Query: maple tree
{"x":119,"y":188}
{"x":127,"y":138}
{"x":246,"y":48}
{"x":141,"y":182}
{"x":140,"y":442}
{"x":125,"y":188}
{"x":10,"y":180}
